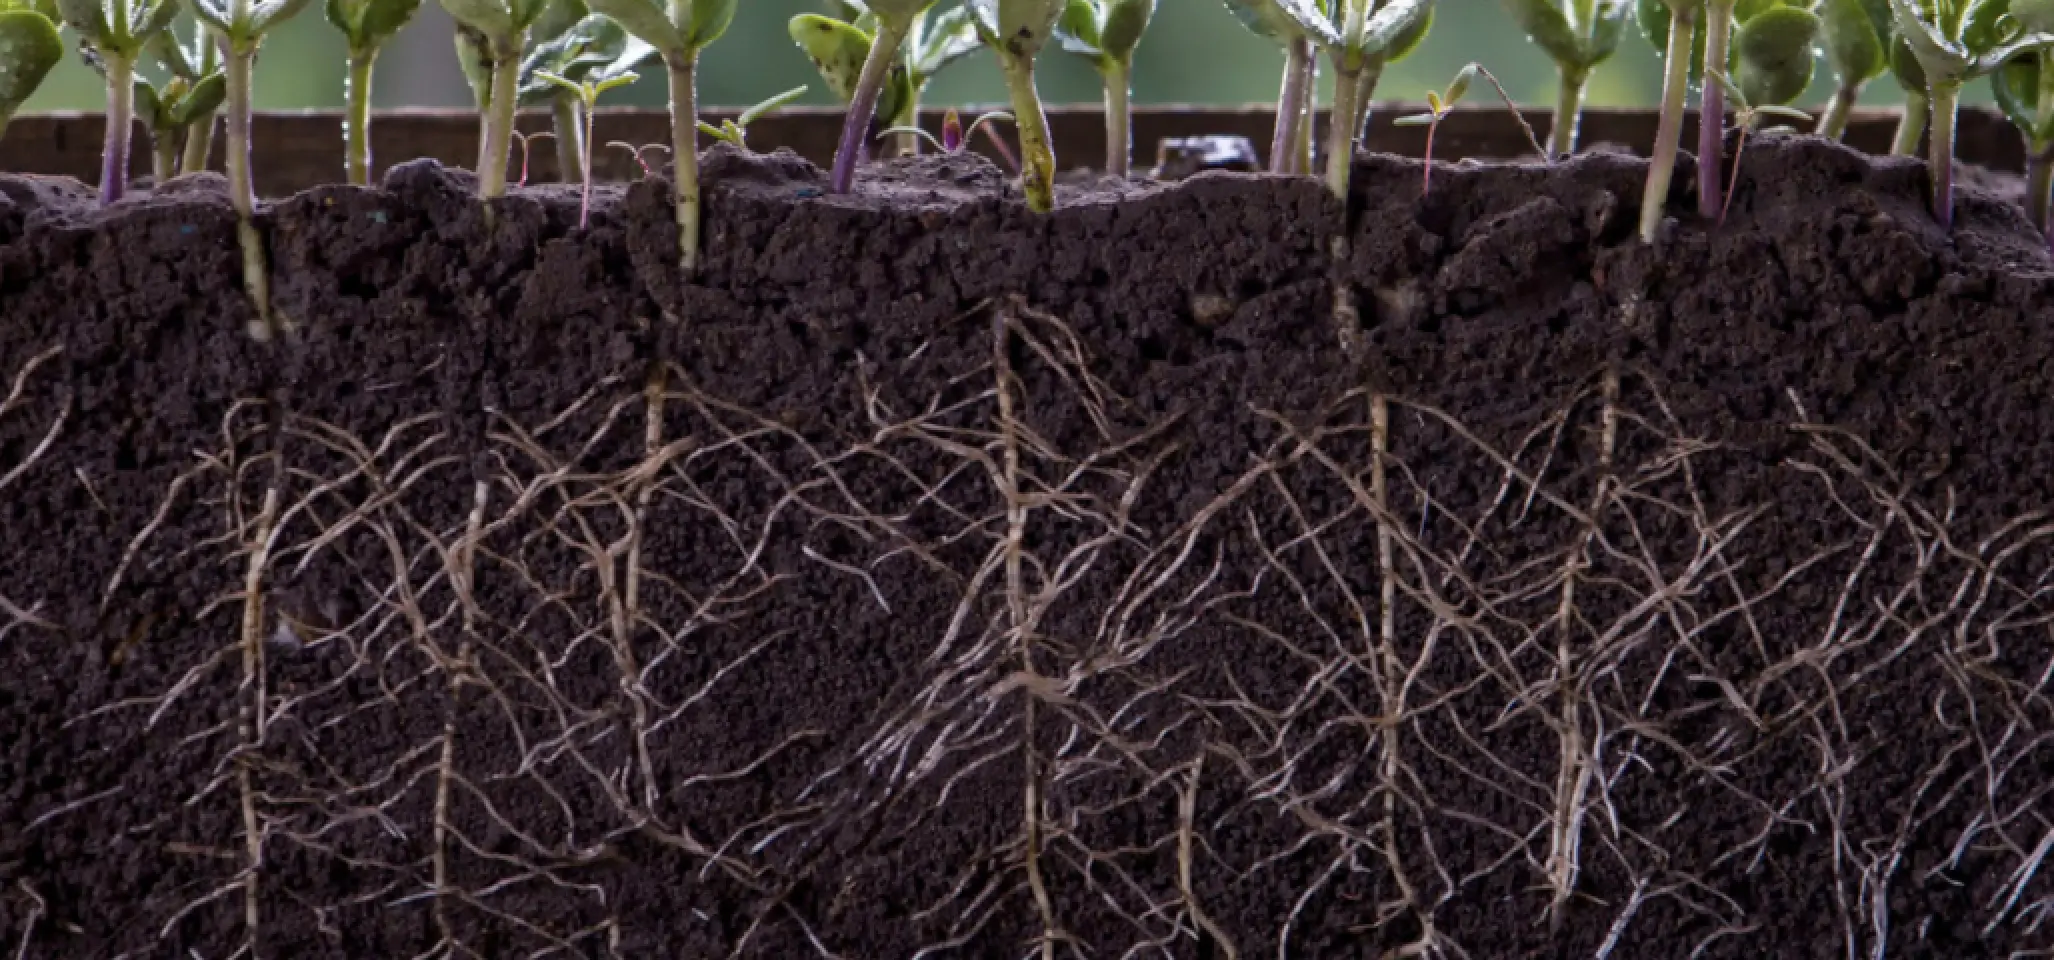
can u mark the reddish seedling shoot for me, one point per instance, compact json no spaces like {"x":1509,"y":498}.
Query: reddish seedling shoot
{"x":1439,"y":105}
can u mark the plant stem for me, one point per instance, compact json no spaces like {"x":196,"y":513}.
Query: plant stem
{"x":496,"y":137}
{"x":1911,"y":125}
{"x":1037,"y":158}
{"x":1568,"y":113}
{"x":1291,"y":97}
{"x":164,"y":156}
{"x":684,"y":137}
{"x":356,"y":127}
{"x":121,"y":94}
{"x":1301,"y":148}
{"x":1365,"y":90}
{"x":1341,"y":128}
{"x":1119,"y":136}
{"x":909,"y":116}
{"x":1833,"y":122}
{"x":584,"y":162}
{"x":1945,"y":97}
{"x":863,"y":104}
{"x":199,"y":143}
{"x":571,"y":137}
{"x":1669,"y":129}
{"x":1711,"y":113}
{"x":2039,"y":181}
{"x":242,"y":188}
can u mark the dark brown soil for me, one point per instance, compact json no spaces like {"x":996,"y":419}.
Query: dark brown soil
{"x":1796,"y":704}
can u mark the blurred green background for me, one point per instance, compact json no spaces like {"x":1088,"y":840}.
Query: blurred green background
{"x":1197,"y":52}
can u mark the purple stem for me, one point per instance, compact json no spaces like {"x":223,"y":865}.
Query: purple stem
{"x":863,"y":107}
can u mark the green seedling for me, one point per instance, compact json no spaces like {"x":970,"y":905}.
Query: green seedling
{"x":1360,"y":37}
{"x":1671,"y":27}
{"x":1016,"y":30}
{"x":1911,"y":122}
{"x":1578,"y":35}
{"x":736,"y":131}
{"x":492,"y":39}
{"x":112,"y":35}
{"x":1857,"y":39}
{"x":2024,"y":89}
{"x":588,"y":89}
{"x":881,"y":32}
{"x":366,"y":25}
{"x":30,"y":46}
{"x":1745,"y":115}
{"x":204,"y":57}
{"x":1439,"y":105}
{"x":591,"y":48}
{"x":238,"y":28}
{"x":679,"y":32}
{"x":1291,"y":141}
{"x":1105,"y":32}
{"x":839,"y":48}
{"x":1956,"y":41}
{"x":172,"y":111}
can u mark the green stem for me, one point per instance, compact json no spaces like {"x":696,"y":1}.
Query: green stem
{"x":684,"y":131}
{"x":1711,"y":114}
{"x":570,"y":137}
{"x":1568,"y":113}
{"x":1911,"y":125}
{"x":1341,"y":130}
{"x":1365,"y":91}
{"x":164,"y":146}
{"x":121,"y":94}
{"x":2039,"y":181}
{"x":1037,"y":158}
{"x":356,"y":127}
{"x":496,"y":139}
{"x":1301,"y":150}
{"x":884,"y":48}
{"x":242,"y":190}
{"x":1833,"y":122}
{"x":1946,"y":99}
{"x":909,"y":117}
{"x":1119,"y":137}
{"x":199,"y":143}
{"x":1291,"y":97}
{"x":1669,"y":129}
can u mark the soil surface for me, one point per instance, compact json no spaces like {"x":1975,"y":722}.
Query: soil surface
{"x":928,"y":578}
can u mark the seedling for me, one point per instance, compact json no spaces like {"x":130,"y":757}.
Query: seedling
{"x":1857,"y":36}
{"x":736,"y":131}
{"x":172,"y":110}
{"x":204,"y":56}
{"x":1578,"y":35}
{"x":832,"y":44}
{"x":593,"y":47}
{"x":112,"y":34}
{"x":1105,"y":32}
{"x":679,"y":34}
{"x":1439,"y":105}
{"x":954,"y":139}
{"x":238,"y":27}
{"x":492,"y":36}
{"x":366,"y":25}
{"x":1955,"y":41}
{"x":1265,"y":18}
{"x":840,"y":48}
{"x":2024,"y":88}
{"x":1367,"y":35}
{"x":1911,"y":122}
{"x":1745,"y":117}
{"x":588,"y":89}
{"x":1672,"y":27}
{"x":30,"y":47}
{"x":1016,"y":30}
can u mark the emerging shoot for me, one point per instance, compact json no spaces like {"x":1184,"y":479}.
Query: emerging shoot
{"x":1767,"y":47}
{"x":238,"y":27}
{"x":839,"y":49}
{"x":492,"y":36}
{"x":1856,"y":33}
{"x":895,"y":21}
{"x":1440,"y":104}
{"x":954,"y":139}
{"x":1016,"y":30}
{"x":366,"y":25}
{"x":1105,"y":32}
{"x":1745,"y":116}
{"x":1578,"y":35}
{"x":588,"y":89}
{"x":205,"y":55}
{"x":678,"y":32}
{"x":1368,"y":35}
{"x":593,"y":48}
{"x":30,"y":47}
{"x":172,"y":110}
{"x":1955,"y":41}
{"x":112,"y":34}
{"x":736,"y":131}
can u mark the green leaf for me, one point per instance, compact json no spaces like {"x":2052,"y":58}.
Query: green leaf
{"x":212,"y":13}
{"x":88,"y":17}
{"x":1459,"y":87}
{"x":148,"y":107}
{"x":1077,"y":29}
{"x":1774,"y":54}
{"x":2036,"y":16}
{"x":489,"y":17}
{"x":950,"y":37}
{"x":204,"y":98}
{"x":1611,"y":21}
{"x":1992,"y":59}
{"x":30,"y":46}
{"x":837,"y":50}
{"x":1393,"y":22}
{"x":901,"y":12}
{"x":1940,"y":56}
{"x":168,"y":53}
{"x":769,"y":106}
{"x":645,"y":19}
{"x":710,"y":19}
{"x":557,"y":18}
{"x":1853,"y":48}
{"x":268,"y":14}
{"x":565,"y":84}
{"x":1905,"y":69}
{"x":1415,"y":120}
{"x":475,"y":59}
{"x":1125,"y":22}
{"x":1546,"y":27}
{"x":383,"y":18}
{"x":1020,"y":27}
{"x":1411,"y":38}
{"x":1286,"y":20}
